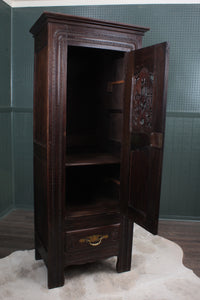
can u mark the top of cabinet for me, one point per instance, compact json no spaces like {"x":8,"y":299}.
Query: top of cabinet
{"x":49,"y":17}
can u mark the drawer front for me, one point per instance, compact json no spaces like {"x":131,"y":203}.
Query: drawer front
{"x":82,"y":246}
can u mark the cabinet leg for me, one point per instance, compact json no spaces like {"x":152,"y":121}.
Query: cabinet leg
{"x":125,"y":248}
{"x":37,"y":246}
{"x":37,"y":255}
{"x":55,"y":278}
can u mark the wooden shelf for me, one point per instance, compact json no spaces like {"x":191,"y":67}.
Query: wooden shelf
{"x":85,"y":159}
{"x":100,"y":205}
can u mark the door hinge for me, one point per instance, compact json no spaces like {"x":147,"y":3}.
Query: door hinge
{"x":156,"y":140}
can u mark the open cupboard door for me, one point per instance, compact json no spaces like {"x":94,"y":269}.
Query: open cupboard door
{"x":145,"y":99}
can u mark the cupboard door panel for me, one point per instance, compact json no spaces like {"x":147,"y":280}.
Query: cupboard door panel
{"x":145,"y":174}
{"x":146,"y":132}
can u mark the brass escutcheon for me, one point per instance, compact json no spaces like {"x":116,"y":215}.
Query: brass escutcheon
{"x":94,"y":240}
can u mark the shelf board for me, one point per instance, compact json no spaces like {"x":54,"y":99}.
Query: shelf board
{"x":99,"y":206}
{"x":84,"y":159}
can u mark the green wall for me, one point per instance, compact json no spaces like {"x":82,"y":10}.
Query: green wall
{"x":178,"y":24}
{"x":5,"y":46}
{"x":6,"y":196}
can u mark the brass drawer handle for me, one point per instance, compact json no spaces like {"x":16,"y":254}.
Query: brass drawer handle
{"x":94,"y":240}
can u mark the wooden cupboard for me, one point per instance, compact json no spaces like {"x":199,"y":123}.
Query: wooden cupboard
{"x":99,"y":118}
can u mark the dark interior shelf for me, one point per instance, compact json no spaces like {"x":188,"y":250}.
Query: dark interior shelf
{"x":100,"y":205}
{"x":85,"y":159}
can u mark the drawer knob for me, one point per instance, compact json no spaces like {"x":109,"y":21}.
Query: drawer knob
{"x":94,"y":240}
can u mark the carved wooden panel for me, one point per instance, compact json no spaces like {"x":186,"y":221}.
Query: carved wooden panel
{"x":142,"y":98}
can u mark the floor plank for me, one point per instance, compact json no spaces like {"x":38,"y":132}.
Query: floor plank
{"x":187,"y":235}
{"x":17,"y":233}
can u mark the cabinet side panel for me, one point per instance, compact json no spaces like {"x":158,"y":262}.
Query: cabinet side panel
{"x":40,"y":97}
{"x":40,"y":196}
{"x":40,"y":143}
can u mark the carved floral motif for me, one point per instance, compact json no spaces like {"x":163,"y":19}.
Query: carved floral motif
{"x":142,"y":100}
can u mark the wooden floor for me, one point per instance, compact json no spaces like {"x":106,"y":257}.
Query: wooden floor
{"x":16,"y":233}
{"x":187,"y":235}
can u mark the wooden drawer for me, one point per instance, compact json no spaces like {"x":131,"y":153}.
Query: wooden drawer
{"x":83,"y":246}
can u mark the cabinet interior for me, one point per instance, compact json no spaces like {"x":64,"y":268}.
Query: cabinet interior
{"x":95,"y":87}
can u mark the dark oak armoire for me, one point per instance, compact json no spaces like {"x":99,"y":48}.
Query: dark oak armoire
{"x":99,"y":118}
